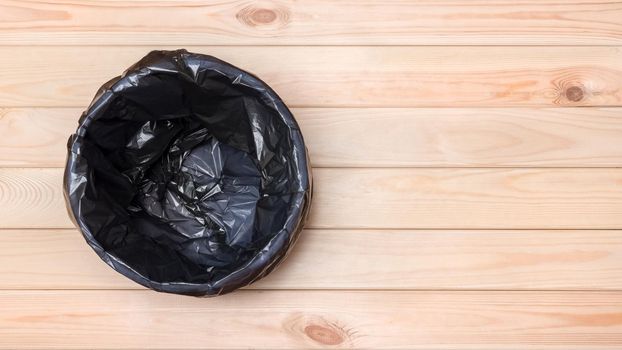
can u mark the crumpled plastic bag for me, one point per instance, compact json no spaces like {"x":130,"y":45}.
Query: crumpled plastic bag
{"x":188,"y":175}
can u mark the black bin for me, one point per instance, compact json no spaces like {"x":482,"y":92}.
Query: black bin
{"x":188,"y":175}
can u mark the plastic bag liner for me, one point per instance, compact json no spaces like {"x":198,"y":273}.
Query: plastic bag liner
{"x":188,"y":175}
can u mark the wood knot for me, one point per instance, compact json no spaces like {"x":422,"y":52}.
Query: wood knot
{"x":572,"y":88}
{"x":574,"y":93}
{"x":323,"y":335}
{"x":264,"y":17}
{"x":317,"y":330}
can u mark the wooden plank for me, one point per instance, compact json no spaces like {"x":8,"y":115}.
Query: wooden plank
{"x":392,"y":198}
{"x":463,"y":137}
{"x":358,"y":259}
{"x":324,"y":22}
{"x":394,"y":137}
{"x":36,"y":137}
{"x":468,"y":198}
{"x":345,"y":76}
{"x":32,"y":198}
{"x":305,"y":319}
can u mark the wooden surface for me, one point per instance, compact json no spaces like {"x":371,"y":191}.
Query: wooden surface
{"x":302,"y":319}
{"x":467,"y":160}
{"x":323,"y":22}
{"x":426,"y":137}
{"x":396,"y":198}
{"x":333,"y":259}
{"x":344,"y":76}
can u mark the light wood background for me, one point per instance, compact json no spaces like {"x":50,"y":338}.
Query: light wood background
{"x":467,"y":158}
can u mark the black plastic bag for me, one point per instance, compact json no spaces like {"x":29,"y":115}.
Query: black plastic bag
{"x":188,"y":175}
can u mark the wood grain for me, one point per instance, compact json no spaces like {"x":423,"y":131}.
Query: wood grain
{"x":384,"y":137}
{"x":345,"y":76}
{"x":358,"y":259}
{"x":324,"y":22}
{"x":311,"y":319}
{"x":468,"y":198}
{"x":392,"y":198}
{"x":32,"y":198}
{"x":36,"y":137}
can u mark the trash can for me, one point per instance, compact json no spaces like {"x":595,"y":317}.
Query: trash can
{"x":188,"y":175}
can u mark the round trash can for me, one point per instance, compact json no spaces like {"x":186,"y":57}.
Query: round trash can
{"x":188,"y":175}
